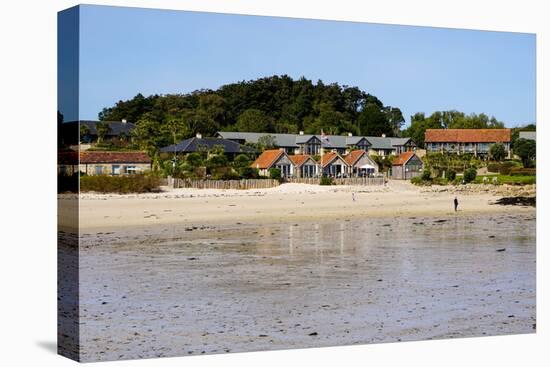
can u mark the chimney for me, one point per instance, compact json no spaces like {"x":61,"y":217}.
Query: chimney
{"x":301,"y":132}
{"x":199,"y":136}
{"x":350,"y":134}
{"x":124,"y":121}
{"x":383,"y":135}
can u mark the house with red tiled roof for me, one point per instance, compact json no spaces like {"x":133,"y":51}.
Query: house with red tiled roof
{"x":113,"y":163}
{"x":304,"y":165}
{"x":360,"y":164}
{"x":334,"y":165}
{"x":274,"y":158}
{"x":406,"y":166}
{"x":460,"y":141}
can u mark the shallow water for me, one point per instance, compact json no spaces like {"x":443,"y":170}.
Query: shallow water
{"x":166,"y":292}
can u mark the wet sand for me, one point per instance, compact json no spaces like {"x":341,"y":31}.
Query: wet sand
{"x":179,"y":289}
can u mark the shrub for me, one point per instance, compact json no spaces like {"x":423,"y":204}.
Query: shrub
{"x":426,"y":174}
{"x":249,"y":172}
{"x":440,"y":181}
{"x":326,"y":181}
{"x":470,"y":175}
{"x":275,"y":173}
{"x":119,"y":184}
{"x":523,"y":172}
{"x":451,"y":175}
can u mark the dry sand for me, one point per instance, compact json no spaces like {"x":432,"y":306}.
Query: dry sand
{"x":286,"y":203}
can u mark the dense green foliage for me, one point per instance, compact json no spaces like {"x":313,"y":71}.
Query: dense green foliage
{"x":470,"y":175}
{"x":326,"y":181}
{"x":276,"y":104}
{"x":119,"y":184}
{"x":275,"y":173}
{"x":507,"y":179}
{"x":526,"y":150}
{"x":497,"y":152}
{"x":447,"y":120}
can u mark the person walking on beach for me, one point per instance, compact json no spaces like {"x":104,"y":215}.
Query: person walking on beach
{"x":456,"y":203}
{"x":353,"y":196}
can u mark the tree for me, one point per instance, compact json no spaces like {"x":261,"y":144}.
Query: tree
{"x":253,"y":120}
{"x":395,"y":119}
{"x":266,"y":142}
{"x":470,"y":175}
{"x":103,"y":128}
{"x":374,"y":122}
{"x":497,"y":151}
{"x":84,"y":131}
{"x":527,"y":150}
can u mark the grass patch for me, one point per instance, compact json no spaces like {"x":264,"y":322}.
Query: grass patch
{"x":119,"y":184}
{"x":507,"y":179}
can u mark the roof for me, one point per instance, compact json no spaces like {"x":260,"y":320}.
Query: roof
{"x":467,"y":135}
{"x":529,"y":135}
{"x":281,"y":140}
{"x":117,"y":127}
{"x":299,"y":159}
{"x":354,"y":156}
{"x":334,"y":141}
{"x":329,"y":157}
{"x":402,"y":158}
{"x":196,"y":144}
{"x":113,"y":157}
{"x":267,"y":158}
{"x":379,"y":142}
{"x":69,"y":157}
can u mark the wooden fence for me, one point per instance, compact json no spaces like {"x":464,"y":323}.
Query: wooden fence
{"x":266,"y":183}
{"x":223,"y":185}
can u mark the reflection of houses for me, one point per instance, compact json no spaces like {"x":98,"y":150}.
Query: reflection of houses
{"x":460,"y":141}
{"x":311,"y":144}
{"x":406,"y":166}
{"x":87,"y":130}
{"x":274,"y":158}
{"x":334,"y":165}
{"x":360,"y":164}
{"x":113,"y":163}
{"x":304,"y":165}
{"x":200,"y":144}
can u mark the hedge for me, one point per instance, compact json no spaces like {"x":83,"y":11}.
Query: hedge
{"x":119,"y":184}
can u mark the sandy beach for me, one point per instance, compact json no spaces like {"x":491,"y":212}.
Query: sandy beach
{"x":286,"y":203}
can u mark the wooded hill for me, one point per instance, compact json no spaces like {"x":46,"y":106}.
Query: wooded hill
{"x":277,"y":104}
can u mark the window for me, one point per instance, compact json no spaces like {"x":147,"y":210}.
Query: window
{"x":131,"y":170}
{"x":115,"y":170}
{"x":98,"y":170}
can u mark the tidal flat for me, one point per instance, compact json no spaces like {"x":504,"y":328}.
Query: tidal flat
{"x":185,"y":290}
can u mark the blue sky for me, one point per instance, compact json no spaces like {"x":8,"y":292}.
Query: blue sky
{"x":125,"y":51}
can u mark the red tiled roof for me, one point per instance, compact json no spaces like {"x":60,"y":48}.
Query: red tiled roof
{"x":267,"y":158}
{"x":467,"y":135}
{"x":69,"y":157}
{"x":299,"y":159}
{"x":354,"y":156}
{"x":328,"y":158}
{"x":114,"y":157}
{"x":402,"y":158}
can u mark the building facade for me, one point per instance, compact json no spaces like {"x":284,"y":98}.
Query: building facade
{"x":464,"y":141}
{"x":406,"y":166}
{"x":94,"y":163}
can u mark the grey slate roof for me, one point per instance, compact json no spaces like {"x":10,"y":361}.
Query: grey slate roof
{"x":529,"y":135}
{"x":195,"y":144}
{"x":117,"y":127}
{"x":335,"y":141}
